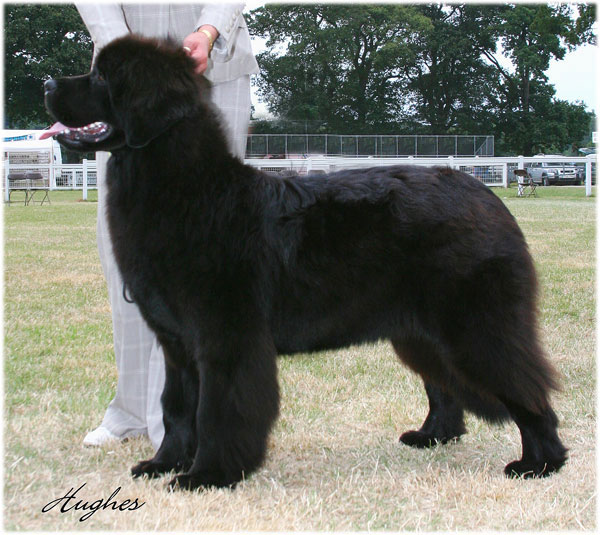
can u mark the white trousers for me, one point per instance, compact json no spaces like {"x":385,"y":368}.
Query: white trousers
{"x":136,"y":407}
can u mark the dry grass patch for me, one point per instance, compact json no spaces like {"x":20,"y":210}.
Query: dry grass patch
{"x":334,"y":460}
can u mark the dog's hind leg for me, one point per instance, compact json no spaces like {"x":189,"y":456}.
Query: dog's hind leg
{"x":238,"y":404}
{"x":443,"y":423}
{"x":496,"y":350}
{"x":510,"y":366}
{"x":179,"y":401}
{"x":445,"y":419}
{"x":513,"y":370}
{"x":543,"y":452}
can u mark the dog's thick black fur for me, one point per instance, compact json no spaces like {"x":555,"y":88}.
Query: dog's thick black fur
{"x":231,"y":266}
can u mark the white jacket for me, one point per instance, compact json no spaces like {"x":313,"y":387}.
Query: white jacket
{"x":231,"y":56}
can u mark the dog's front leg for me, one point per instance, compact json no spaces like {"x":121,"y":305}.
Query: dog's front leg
{"x":238,"y":404}
{"x":179,"y":402}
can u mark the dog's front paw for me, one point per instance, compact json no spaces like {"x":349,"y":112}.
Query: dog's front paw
{"x":418,"y":439}
{"x":150,"y":468}
{"x":201,"y":480}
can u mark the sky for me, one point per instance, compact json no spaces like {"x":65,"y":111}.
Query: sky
{"x":575,"y":78}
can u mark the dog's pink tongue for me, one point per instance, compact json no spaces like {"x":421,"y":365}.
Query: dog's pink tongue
{"x":56,"y":128}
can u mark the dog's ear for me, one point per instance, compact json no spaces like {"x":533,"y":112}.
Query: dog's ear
{"x":152,"y":88}
{"x":146,"y":116}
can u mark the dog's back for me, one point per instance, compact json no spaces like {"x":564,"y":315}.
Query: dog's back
{"x":366,"y":253}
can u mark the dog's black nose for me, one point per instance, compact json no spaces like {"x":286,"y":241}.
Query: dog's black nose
{"x":50,"y":85}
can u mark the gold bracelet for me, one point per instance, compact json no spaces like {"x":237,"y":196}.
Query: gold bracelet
{"x":210,"y":37}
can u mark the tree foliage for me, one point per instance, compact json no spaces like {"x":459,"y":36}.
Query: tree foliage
{"x":363,"y":68}
{"x":341,"y":64}
{"x":41,"y":41}
{"x":452,"y":87}
{"x":427,"y":68}
{"x":532,"y":35}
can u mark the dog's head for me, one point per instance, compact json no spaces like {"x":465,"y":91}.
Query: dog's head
{"x":135,"y":91}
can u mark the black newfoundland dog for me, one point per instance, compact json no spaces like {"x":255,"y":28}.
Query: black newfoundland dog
{"x":231,"y":266}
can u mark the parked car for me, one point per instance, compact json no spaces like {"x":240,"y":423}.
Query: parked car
{"x":580,"y":172}
{"x":547,"y":173}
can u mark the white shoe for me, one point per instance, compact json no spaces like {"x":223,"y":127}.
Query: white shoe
{"x":99,"y":437}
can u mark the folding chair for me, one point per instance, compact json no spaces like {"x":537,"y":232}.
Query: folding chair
{"x":38,"y":183}
{"x":525,"y":185}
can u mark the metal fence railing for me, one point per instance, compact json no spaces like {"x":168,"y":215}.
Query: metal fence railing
{"x":380,"y":146}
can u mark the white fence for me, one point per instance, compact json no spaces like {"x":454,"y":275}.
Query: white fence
{"x":49,"y":176}
{"x":490,"y":171}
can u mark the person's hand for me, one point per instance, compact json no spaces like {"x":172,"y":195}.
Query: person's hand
{"x":198,"y":46}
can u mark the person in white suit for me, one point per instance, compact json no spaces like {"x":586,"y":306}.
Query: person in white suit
{"x":217,"y":38}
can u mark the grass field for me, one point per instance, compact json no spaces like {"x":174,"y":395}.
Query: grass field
{"x":334,"y":461}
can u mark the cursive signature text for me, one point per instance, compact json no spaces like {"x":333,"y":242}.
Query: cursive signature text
{"x":69,"y":502}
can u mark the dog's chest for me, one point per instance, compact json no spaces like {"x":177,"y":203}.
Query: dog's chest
{"x":140,"y":231}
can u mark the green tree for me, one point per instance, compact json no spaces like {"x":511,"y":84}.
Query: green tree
{"x":453,"y":88}
{"x":429,"y":68}
{"x":555,"y":126}
{"x":341,"y":64}
{"x":531,"y":35}
{"x":41,"y":41}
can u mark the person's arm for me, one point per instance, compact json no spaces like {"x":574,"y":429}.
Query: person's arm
{"x":224,"y":18}
{"x":105,"y":22}
{"x":216,"y":25}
